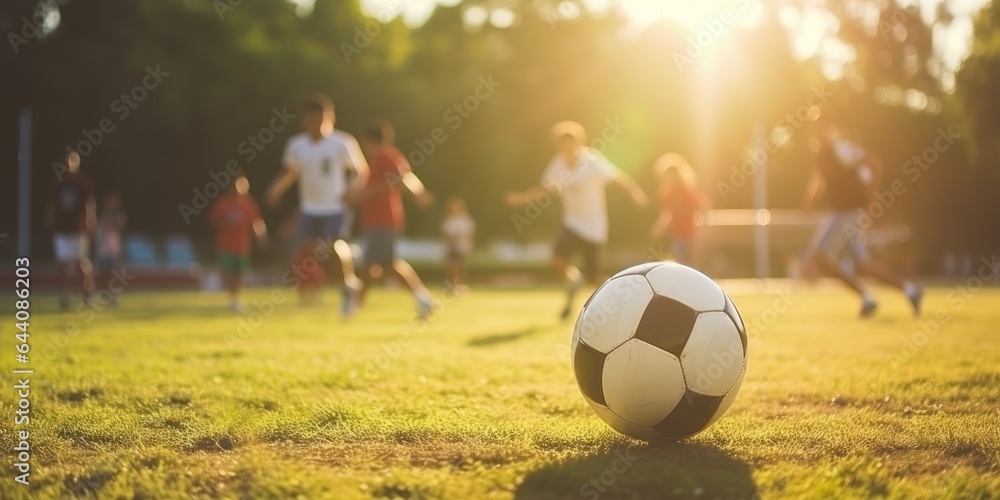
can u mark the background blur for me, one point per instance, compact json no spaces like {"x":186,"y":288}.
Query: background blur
{"x":650,"y":76}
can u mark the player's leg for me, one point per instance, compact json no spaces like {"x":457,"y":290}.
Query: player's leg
{"x":334,"y":227}
{"x":828,"y":244}
{"x":59,"y":247}
{"x":405,"y":272}
{"x":871,"y":267}
{"x":310,"y":287}
{"x":567,"y":244}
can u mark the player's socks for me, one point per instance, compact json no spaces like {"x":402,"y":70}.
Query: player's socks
{"x":425,"y":304}
{"x":63,"y":302}
{"x":350,"y":299}
{"x":915,"y":293}
{"x":574,"y":282}
{"x":868,"y":305}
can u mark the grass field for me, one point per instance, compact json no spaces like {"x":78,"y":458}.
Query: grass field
{"x":156,"y":400}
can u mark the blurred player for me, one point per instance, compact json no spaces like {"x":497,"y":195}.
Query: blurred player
{"x":111,"y":223}
{"x":237,"y":220}
{"x":682,"y":206}
{"x":323,"y":160}
{"x":850,"y":176}
{"x":71,"y":216}
{"x":459,"y":231}
{"x":579,"y":175}
{"x":382,"y":215}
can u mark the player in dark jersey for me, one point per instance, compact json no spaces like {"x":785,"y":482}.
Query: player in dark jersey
{"x":850,"y":176}
{"x":71,"y":215}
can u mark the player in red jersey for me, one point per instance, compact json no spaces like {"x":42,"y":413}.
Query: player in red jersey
{"x":382,"y":215}
{"x":236,"y":217}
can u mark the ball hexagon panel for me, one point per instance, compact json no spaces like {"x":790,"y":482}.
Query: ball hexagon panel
{"x":613,"y":312}
{"x":642,"y":383}
{"x":687,"y":286}
{"x":623,"y":426}
{"x":738,"y":321}
{"x":713,"y":357}
{"x":692,"y":414}
{"x":666,"y":324}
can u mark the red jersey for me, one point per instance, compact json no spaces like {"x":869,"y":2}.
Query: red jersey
{"x":683,"y":203}
{"x":385,"y":209}
{"x":233,"y":216}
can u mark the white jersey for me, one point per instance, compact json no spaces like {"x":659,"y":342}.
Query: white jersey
{"x":324,"y":167}
{"x":582,"y":186}
{"x":459,"y":232}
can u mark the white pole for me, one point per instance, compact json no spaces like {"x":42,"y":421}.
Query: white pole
{"x":762,"y":242}
{"x":24,"y":186}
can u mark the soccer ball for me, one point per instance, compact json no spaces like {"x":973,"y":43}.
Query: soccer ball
{"x":659,"y":351}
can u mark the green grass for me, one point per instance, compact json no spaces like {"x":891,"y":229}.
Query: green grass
{"x":151,"y":401}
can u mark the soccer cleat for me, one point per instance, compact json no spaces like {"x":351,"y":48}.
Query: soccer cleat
{"x":574,"y":286}
{"x":351,"y":297}
{"x":425,"y":305}
{"x":63,"y":303}
{"x":916,"y":297}
{"x":237,"y":307}
{"x":868,"y":308}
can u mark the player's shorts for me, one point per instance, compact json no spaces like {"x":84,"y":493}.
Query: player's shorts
{"x":839,"y":233}
{"x":380,"y":246}
{"x":455,"y":254}
{"x":71,"y":247}
{"x":568,"y":244}
{"x":233,"y":263}
{"x":323,"y":227}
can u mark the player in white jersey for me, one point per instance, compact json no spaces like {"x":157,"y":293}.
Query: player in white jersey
{"x":328,"y":165}
{"x":578,"y":174}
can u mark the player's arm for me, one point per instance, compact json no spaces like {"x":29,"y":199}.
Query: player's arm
{"x":660,"y":226}
{"x":814,"y":188}
{"x":518,"y":199}
{"x":356,"y":159}
{"x":285,"y":179}
{"x":626,"y":181}
{"x":90,"y":209}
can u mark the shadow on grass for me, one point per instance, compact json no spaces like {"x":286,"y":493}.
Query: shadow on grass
{"x":661,"y":471}
{"x":501,"y":338}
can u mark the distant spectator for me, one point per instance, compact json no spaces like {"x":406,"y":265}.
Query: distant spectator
{"x":682,"y":206}
{"x":111,"y":223}
{"x":459,"y":231}
{"x":70,"y":215}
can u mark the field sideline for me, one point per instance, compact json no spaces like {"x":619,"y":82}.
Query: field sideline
{"x":160,"y":398}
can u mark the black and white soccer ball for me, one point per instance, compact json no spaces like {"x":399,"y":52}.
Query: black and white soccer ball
{"x":659,"y":351}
